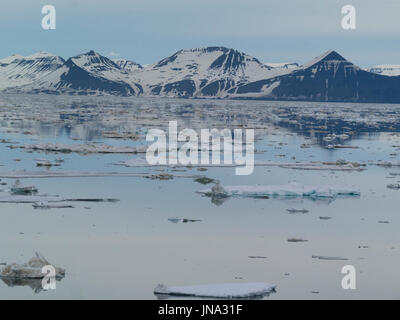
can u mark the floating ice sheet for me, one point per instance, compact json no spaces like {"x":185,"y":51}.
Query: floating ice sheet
{"x":223,"y":290}
{"x":290,"y":190}
{"x":329,"y":258}
{"x":50,"y":199}
{"x":317,"y":165}
{"x":82,"y":148}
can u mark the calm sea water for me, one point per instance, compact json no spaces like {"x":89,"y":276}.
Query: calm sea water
{"x":124,"y":250}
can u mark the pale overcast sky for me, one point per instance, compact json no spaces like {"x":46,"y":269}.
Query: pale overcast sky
{"x":148,"y":30}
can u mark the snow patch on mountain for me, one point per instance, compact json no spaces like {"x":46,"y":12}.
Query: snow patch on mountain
{"x":391,"y":70}
{"x":283,"y":65}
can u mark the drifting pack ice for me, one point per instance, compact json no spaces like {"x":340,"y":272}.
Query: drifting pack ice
{"x":291,"y":190}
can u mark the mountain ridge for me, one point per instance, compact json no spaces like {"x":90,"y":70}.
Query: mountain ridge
{"x":208,"y":72}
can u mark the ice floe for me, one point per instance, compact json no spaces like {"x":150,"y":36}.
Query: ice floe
{"x":48,"y":205}
{"x":49,"y":199}
{"x":82,"y":148}
{"x":334,"y":166}
{"x":340,"y":165}
{"x":19,"y":189}
{"x":65,"y":174}
{"x":325,"y":218}
{"x":328,"y":258}
{"x":387,"y":164}
{"x":296,"y":240}
{"x":290,"y":190}
{"x":46,"y":163}
{"x":297,"y":210}
{"x":30,"y":270}
{"x":223,"y":290}
{"x":183,"y":220}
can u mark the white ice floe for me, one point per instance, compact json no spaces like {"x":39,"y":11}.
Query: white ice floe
{"x":65,"y":174}
{"x":30,"y":270}
{"x":286,"y":191}
{"x":46,"y":163}
{"x":29,"y":199}
{"x":223,"y":290}
{"x":339,"y":165}
{"x":83,"y":148}
{"x":333,"y":137}
{"x":48,"y":205}
{"x":328,"y":258}
{"x":348,"y":166}
{"x":49,"y":199}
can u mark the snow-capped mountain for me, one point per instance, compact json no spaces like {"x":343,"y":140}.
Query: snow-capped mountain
{"x":212,"y":72}
{"x":202,"y":72}
{"x":392,"y":70}
{"x":17,"y":70}
{"x":88,"y":73}
{"x":329,"y":77}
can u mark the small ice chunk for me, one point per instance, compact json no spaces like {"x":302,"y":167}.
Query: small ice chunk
{"x":19,"y":189}
{"x":325,"y":218}
{"x":48,"y":205}
{"x":30,"y":270}
{"x":46,"y":163}
{"x":296,"y":210}
{"x":296,"y":240}
{"x":174,"y":220}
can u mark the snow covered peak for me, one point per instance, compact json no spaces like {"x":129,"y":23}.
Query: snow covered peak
{"x":98,"y":65}
{"x":127,"y":65}
{"x":18,"y":70}
{"x":92,"y":72}
{"x":40,"y":55}
{"x":215,"y":58}
{"x":11,"y":58}
{"x":330,"y":56}
{"x":92,"y":58}
{"x":386,"y":70}
{"x":208,"y":63}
